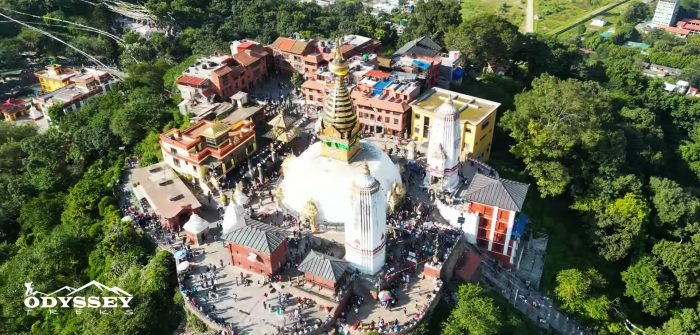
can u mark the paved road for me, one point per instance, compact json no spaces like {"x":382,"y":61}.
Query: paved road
{"x":530,"y":17}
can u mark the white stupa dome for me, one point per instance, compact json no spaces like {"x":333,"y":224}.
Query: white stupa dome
{"x":328,"y":182}
{"x":447,"y":108}
{"x":233,"y":216}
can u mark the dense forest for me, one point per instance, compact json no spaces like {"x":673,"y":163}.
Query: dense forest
{"x":615,"y":160}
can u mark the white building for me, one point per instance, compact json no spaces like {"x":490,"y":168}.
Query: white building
{"x":365,"y":238}
{"x":665,"y":14}
{"x":444,"y":142}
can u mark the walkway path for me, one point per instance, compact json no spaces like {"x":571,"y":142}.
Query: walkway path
{"x":530,"y":17}
{"x":533,"y":304}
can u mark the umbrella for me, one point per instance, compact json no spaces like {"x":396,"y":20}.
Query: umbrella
{"x":384,"y":296}
{"x":183,"y":266}
{"x":180,"y":254}
{"x":126,"y":218}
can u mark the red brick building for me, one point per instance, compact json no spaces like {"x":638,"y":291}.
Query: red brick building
{"x":324,"y":270}
{"x":257,"y":247}
{"x":218,"y":77}
{"x":307,"y":57}
{"x":496,"y":201}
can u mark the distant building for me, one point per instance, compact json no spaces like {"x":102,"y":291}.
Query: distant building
{"x":159,"y":190}
{"x":308,"y":56}
{"x":208,"y":150}
{"x":13,"y":108}
{"x":382,"y":103}
{"x":444,"y":67}
{"x":217,"y":78}
{"x":54,"y":76}
{"x":655,"y":70}
{"x":82,"y":85}
{"x":422,"y":46}
{"x":598,"y":22}
{"x":665,"y":13}
{"x":477,"y":120}
{"x":684,"y":28}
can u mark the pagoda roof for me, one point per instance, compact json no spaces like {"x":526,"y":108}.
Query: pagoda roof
{"x":324,"y":266}
{"x":257,"y":235}
{"x":282,"y":120}
{"x":498,"y":192}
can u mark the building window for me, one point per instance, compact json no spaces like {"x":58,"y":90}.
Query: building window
{"x":386,"y":119}
{"x":396,"y":121}
{"x":467,"y":130}
{"x":173,"y":151}
{"x":176,"y":162}
{"x":485,"y":124}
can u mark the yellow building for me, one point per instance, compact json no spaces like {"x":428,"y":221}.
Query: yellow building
{"x":54,"y":77}
{"x":477,"y":120}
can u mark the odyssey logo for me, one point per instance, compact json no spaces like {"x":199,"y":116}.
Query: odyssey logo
{"x":69,"y":297}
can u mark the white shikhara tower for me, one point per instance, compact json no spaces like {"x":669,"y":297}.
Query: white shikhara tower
{"x":444,"y":146}
{"x":365,"y":238}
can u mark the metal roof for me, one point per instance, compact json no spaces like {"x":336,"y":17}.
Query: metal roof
{"x":258,"y":236}
{"x":422,"y":46}
{"x":323,"y":266}
{"x":502,"y":193}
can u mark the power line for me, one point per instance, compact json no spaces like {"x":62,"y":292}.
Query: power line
{"x":99,"y":31}
{"x":92,"y":58}
{"x":120,"y":42}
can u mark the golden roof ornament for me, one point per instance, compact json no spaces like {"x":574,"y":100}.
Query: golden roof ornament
{"x":337,"y":66}
{"x":339,"y":129}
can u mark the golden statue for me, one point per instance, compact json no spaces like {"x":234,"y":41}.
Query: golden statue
{"x":400,"y":190}
{"x":309,"y":214}
{"x":287,"y":161}
{"x":279,"y":194}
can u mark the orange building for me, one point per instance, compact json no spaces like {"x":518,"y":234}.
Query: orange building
{"x":219,"y":77}
{"x":257,"y":247}
{"x":494,"y":203}
{"x":208,"y":150}
{"x":307,"y":57}
{"x":382,"y":102}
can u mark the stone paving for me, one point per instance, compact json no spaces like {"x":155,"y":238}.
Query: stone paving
{"x":246,"y":311}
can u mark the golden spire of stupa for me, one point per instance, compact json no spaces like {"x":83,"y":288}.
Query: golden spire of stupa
{"x":339,"y":126}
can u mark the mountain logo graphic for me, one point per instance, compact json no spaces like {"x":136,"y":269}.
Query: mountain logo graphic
{"x":70,"y":297}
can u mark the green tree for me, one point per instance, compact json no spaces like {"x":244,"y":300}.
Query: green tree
{"x":635,"y":12}
{"x":485,"y":38}
{"x":576,"y":290}
{"x":683,"y":259}
{"x":432,"y":19}
{"x":142,"y":112}
{"x":675,"y":208}
{"x":148,"y":150}
{"x":620,"y":226}
{"x":684,"y":322}
{"x":474,"y":314}
{"x":297,"y":80}
{"x":39,"y":215}
{"x":555,"y":126}
{"x":690,"y":150}
{"x":647,"y":285}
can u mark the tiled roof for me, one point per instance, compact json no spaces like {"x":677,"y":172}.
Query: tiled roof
{"x":502,"y":193}
{"x":323,"y":266}
{"x":315,"y":85}
{"x":258,"y":236}
{"x":249,"y":56}
{"x":377,"y":74}
{"x":190,"y":80}
{"x":291,"y":45}
{"x":363,"y":100}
